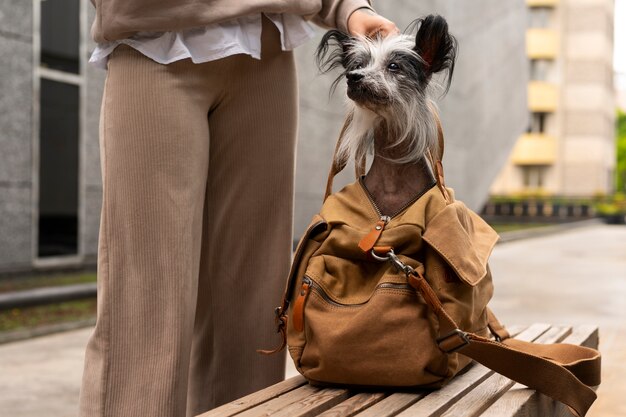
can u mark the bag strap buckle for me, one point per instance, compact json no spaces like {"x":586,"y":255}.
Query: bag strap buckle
{"x":394,"y":260}
{"x":444,"y":342}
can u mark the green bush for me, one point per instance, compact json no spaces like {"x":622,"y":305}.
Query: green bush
{"x":612,"y":206}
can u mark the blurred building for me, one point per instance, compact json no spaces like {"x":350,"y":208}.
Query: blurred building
{"x":568,"y":148}
{"x":50,"y":187}
{"x":49,"y":159}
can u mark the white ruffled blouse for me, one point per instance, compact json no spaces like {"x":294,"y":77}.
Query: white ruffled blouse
{"x":216,"y":41}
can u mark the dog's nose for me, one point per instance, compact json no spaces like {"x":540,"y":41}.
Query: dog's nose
{"x":354,"y":77}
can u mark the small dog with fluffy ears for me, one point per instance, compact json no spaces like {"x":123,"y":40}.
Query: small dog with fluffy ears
{"x":389,"y":336}
{"x":392,"y":114}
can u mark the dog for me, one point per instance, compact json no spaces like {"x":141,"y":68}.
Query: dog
{"x":392,"y":114}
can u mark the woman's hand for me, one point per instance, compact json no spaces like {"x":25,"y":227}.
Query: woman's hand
{"x":364,"y":22}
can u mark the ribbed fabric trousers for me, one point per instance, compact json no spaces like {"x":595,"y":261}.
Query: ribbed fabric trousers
{"x":195,"y":234}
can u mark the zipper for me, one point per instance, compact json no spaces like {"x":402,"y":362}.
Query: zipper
{"x":296,"y":259}
{"x":309,"y":285}
{"x":396,"y":286}
{"x":369,"y":241}
{"x":298,"y":306}
{"x":313,"y":286}
{"x":370,"y":197}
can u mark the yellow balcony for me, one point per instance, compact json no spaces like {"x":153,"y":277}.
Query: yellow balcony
{"x":534,"y":149}
{"x":542,"y":97}
{"x":541,"y":44}
{"x":542,"y":3}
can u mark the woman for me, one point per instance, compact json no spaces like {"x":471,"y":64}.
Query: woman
{"x":197,"y":142}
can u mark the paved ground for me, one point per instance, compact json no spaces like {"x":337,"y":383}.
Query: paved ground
{"x":578,"y":276}
{"x":574,"y":277}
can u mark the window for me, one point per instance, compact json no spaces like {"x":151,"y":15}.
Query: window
{"x":58,"y":168}
{"x":59,"y":82}
{"x":533,"y":176}
{"x":539,"y":17}
{"x":538,"y":122}
{"x":60,"y":35}
{"x":539,"y":69}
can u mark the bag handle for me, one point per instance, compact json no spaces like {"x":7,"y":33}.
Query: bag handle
{"x":436,"y":164}
{"x":561,"y":371}
{"x":338,"y":165}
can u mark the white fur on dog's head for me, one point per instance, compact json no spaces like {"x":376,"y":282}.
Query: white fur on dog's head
{"x":389,"y":84}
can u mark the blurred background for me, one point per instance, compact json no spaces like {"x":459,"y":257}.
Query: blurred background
{"x":535,"y":141}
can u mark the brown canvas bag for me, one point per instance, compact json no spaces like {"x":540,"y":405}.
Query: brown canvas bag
{"x":402,"y":301}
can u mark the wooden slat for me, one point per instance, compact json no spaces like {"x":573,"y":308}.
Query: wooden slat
{"x":438,"y":401}
{"x":314,"y":404}
{"x":256,"y":398}
{"x":516,"y":329}
{"x":274,"y":405}
{"x":479,"y":399}
{"x":392,"y":405}
{"x":584,"y":335}
{"x":523,"y":402}
{"x":467,"y":395}
{"x":520,"y":401}
{"x":354,"y":404}
{"x":483,"y":396}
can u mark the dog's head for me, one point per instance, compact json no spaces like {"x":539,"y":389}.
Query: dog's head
{"x":390,"y":79}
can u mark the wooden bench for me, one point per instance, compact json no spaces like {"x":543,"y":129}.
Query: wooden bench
{"x":478,"y":391}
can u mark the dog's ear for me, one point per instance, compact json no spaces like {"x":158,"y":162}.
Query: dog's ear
{"x":435,"y":45}
{"x":333,"y":50}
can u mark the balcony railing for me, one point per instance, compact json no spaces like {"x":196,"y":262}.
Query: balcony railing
{"x":542,"y":3}
{"x":534,"y":149}
{"x":541,"y":43}
{"x":543,"y":97}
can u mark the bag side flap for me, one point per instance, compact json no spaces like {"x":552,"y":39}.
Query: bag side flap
{"x":317,"y":225}
{"x":463,"y":239}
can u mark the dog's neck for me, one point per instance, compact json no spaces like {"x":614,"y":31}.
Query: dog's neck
{"x":393,"y":185}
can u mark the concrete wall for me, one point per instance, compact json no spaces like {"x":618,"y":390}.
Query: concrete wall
{"x":483,"y":113}
{"x":16,"y":110}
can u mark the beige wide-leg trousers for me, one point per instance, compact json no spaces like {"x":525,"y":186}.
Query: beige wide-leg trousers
{"x":195,"y":234}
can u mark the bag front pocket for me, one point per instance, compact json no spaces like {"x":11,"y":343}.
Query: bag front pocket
{"x":388,"y":340}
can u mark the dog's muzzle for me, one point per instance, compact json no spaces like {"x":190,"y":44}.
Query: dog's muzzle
{"x":354,"y":77}
{"x":360,"y":92}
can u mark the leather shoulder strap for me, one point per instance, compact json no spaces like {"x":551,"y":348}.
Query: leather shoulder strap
{"x":561,"y":371}
{"x":435,"y":161}
{"x":338,"y":165}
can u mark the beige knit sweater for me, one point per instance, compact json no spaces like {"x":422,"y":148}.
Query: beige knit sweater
{"x":119,"y":19}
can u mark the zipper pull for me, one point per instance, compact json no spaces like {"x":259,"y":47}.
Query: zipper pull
{"x":367,"y":243}
{"x":298,"y":307}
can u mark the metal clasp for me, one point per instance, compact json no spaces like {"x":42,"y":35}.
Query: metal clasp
{"x":394,"y":260}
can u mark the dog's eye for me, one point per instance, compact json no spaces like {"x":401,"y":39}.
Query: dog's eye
{"x":393,"y":66}
{"x":358,"y":65}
